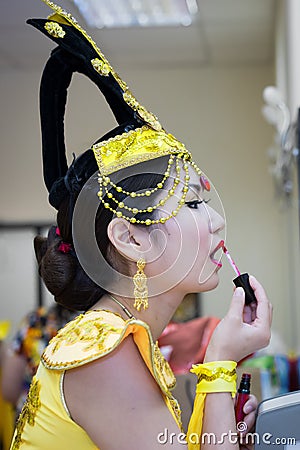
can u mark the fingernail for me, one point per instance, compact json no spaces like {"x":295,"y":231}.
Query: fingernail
{"x":239,"y":292}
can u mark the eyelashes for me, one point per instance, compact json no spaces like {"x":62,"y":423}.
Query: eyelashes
{"x":194,"y":203}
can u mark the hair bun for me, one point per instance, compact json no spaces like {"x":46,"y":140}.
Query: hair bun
{"x":62,"y":273}
{"x":57,"y":269}
{"x":40,"y":247}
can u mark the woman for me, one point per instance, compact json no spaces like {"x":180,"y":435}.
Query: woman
{"x":103,"y":382}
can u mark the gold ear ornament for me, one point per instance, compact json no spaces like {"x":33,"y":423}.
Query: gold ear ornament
{"x":140,"y":286}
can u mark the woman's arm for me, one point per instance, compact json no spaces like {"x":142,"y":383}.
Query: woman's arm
{"x":243,"y":331}
{"x":118,"y":403}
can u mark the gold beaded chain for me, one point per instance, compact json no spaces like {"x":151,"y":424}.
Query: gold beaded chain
{"x":105,"y":181}
{"x":147,"y":193}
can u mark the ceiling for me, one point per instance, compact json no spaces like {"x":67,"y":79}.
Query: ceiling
{"x":225,"y":32}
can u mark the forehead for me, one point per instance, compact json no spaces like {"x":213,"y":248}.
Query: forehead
{"x":194,"y":182}
{"x":196,"y":188}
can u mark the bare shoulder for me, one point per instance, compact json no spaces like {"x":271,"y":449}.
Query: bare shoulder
{"x":117,"y":402}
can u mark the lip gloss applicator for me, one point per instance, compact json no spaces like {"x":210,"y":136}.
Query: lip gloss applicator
{"x":242,"y":280}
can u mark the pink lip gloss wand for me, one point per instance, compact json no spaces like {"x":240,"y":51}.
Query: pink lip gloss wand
{"x":242,"y":280}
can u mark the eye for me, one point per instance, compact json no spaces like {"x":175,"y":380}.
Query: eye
{"x":194,"y":203}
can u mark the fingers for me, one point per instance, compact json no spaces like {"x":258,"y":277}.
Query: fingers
{"x":249,"y":420}
{"x":251,"y":404}
{"x":250,"y":412}
{"x":237,"y":303}
{"x":262,"y":309}
{"x":248,"y":315}
{"x":258,"y":289}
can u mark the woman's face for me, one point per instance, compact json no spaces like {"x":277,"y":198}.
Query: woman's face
{"x":186,"y":246}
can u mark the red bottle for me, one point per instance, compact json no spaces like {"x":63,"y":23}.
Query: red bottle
{"x":242,"y":397}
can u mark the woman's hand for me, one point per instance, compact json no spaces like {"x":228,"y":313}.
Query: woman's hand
{"x":244,"y":329}
{"x":250,"y":411}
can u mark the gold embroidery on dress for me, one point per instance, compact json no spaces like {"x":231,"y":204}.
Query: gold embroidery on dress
{"x":92,"y":332}
{"x":54,"y":29}
{"x":28,"y":412}
{"x":163,"y":367}
{"x":167,"y":380}
{"x":177,"y":410}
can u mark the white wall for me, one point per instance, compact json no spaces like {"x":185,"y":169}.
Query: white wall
{"x":293,"y":220}
{"x":215,"y":111}
{"x":287,"y":72}
{"x":292,"y":13}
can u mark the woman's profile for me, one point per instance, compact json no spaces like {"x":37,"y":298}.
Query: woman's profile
{"x":103,"y":382}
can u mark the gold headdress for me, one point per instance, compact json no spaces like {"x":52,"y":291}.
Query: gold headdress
{"x":138,"y":138}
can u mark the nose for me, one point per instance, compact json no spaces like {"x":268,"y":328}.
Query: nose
{"x":216,"y":221}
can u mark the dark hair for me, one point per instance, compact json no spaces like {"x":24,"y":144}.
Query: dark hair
{"x":62,"y":273}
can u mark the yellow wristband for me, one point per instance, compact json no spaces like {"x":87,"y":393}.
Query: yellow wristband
{"x":216,"y":376}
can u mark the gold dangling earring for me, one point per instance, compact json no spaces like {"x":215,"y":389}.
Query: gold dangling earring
{"x":140,"y":286}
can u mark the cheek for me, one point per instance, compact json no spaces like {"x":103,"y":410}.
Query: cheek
{"x":195,"y":242}
{"x":205,"y":240}
{"x":184,"y":238}
{"x":199,"y":235}
{"x":199,"y":247}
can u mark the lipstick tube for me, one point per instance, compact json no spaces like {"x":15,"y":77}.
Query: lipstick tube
{"x":242,"y":397}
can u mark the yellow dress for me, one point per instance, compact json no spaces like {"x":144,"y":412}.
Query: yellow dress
{"x":44,"y":423}
{"x":6,"y":409}
{"x":7,"y":418}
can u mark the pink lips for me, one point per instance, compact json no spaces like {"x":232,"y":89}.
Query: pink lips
{"x":217,"y":262}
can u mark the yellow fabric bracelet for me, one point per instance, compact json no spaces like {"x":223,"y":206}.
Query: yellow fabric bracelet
{"x":216,"y":376}
{"x":219,"y":376}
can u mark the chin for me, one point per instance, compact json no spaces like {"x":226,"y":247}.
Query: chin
{"x":211,"y":283}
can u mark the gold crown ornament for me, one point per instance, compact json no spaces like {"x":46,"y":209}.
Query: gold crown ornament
{"x":139,"y":137}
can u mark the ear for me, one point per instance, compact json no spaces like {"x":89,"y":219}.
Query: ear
{"x":128,"y":239}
